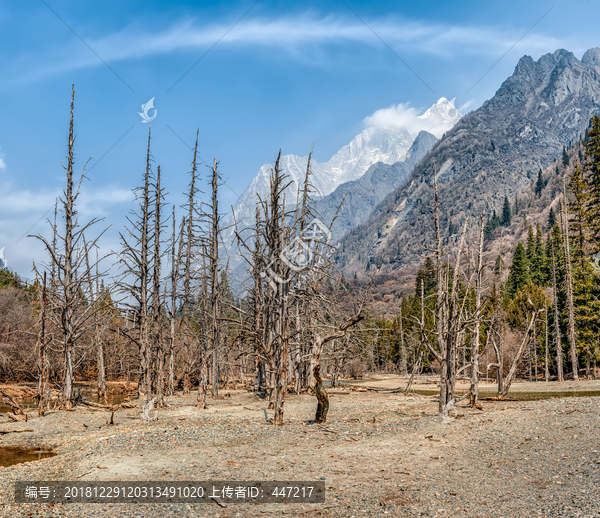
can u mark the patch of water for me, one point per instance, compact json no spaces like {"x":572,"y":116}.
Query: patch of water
{"x":25,"y":403}
{"x":11,"y":455}
{"x":522,"y":396}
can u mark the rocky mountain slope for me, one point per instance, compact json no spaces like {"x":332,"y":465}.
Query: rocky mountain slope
{"x":361,"y":196}
{"x":493,"y":152}
{"x":377,"y":161}
{"x":386,"y":145}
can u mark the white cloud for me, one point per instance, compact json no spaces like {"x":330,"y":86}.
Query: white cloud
{"x":24,"y":212}
{"x":438,"y":119}
{"x":2,"y":164}
{"x":396,"y":116}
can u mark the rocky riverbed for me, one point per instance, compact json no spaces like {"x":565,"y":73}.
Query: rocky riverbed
{"x":380,"y":454}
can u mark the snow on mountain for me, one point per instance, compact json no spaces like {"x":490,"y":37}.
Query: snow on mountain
{"x":387,"y":141}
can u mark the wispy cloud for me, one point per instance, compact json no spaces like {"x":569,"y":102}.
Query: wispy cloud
{"x":291,"y":34}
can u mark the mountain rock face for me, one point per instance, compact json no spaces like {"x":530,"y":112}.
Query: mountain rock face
{"x":388,"y":145}
{"x":493,"y":152}
{"x":349,"y":163}
{"x":361,"y":196}
{"x":377,"y":161}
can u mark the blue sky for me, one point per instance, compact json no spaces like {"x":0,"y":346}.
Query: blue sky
{"x":280,"y":74}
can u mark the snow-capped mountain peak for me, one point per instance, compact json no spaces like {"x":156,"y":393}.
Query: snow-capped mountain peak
{"x":378,"y":142}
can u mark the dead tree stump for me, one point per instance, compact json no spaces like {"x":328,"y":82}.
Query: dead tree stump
{"x":322,"y":396}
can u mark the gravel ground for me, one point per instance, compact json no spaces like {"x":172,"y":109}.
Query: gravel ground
{"x":380,"y":454}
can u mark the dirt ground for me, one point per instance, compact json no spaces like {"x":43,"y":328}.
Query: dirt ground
{"x":380,"y":454}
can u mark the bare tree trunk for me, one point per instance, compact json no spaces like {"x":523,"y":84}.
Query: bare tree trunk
{"x":403,"y":365}
{"x":322,"y":397}
{"x":499,"y":350}
{"x":95,"y":299}
{"x":513,"y":369}
{"x":569,"y":286}
{"x":535,"y":357}
{"x":187,"y":275}
{"x":155,"y":356}
{"x":474,"y":388}
{"x":43,"y":383}
{"x":547,"y":344}
{"x":557,"y":340}
{"x":203,"y":381}
{"x":176,"y":249}
{"x":214,"y":277}
{"x":440,"y":313}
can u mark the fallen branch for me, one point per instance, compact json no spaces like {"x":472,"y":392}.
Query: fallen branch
{"x":375,"y":389}
{"x":325,"y":429}
{"x":16,"y":431}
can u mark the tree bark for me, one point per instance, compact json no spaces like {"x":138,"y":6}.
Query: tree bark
{"x":474,"y":388}
{"x":569,"y":286}
{"x":322,"y":397}
{"x":547,"y":344}
{"x":43,"y":383}
{"x":557,"y":340}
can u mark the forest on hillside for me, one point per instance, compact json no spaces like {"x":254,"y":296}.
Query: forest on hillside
{"x":160,"y":311}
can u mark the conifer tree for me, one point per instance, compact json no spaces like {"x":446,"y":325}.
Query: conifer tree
{"x":519,"y":270}
{"x":539,"y":185}
{"x":427,"y":274}
{"x":506,"y":213}
{"x":538,"y":274}
{"x":551,"y":218}
{"x":578,"y":210}
{"x":565,"y":157}
{"x":592,"y":177}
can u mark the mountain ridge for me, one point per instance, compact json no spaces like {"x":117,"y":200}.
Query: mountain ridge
{"x":492,"y":152}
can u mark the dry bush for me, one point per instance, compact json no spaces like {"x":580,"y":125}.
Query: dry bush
{"x":355,"y":369}
{"x":17,"y":335}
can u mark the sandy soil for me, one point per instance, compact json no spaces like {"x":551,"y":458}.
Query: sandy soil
{"x":381,"y":454}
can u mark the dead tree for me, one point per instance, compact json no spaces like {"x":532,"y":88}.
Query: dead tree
{"x":176,"y":243}
{"x":69,"y":310}
{"x":317,"y":385}
{"x":95,"y":298}
{"x":270,"y":320}
{"x":569,"y":287}
{"x":136,"y":262}
{"x":213,"y":219}
{"x":43,"y":358}
{"x":557,"y":340}
{"x":156,"y":351}
{"x":191,"y":246}
{"x":474,"y":388}
{"x":441,"y":305}
{"x":526,"y":339}
{"x":403,"y":365}
{"x":546,"y":344}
